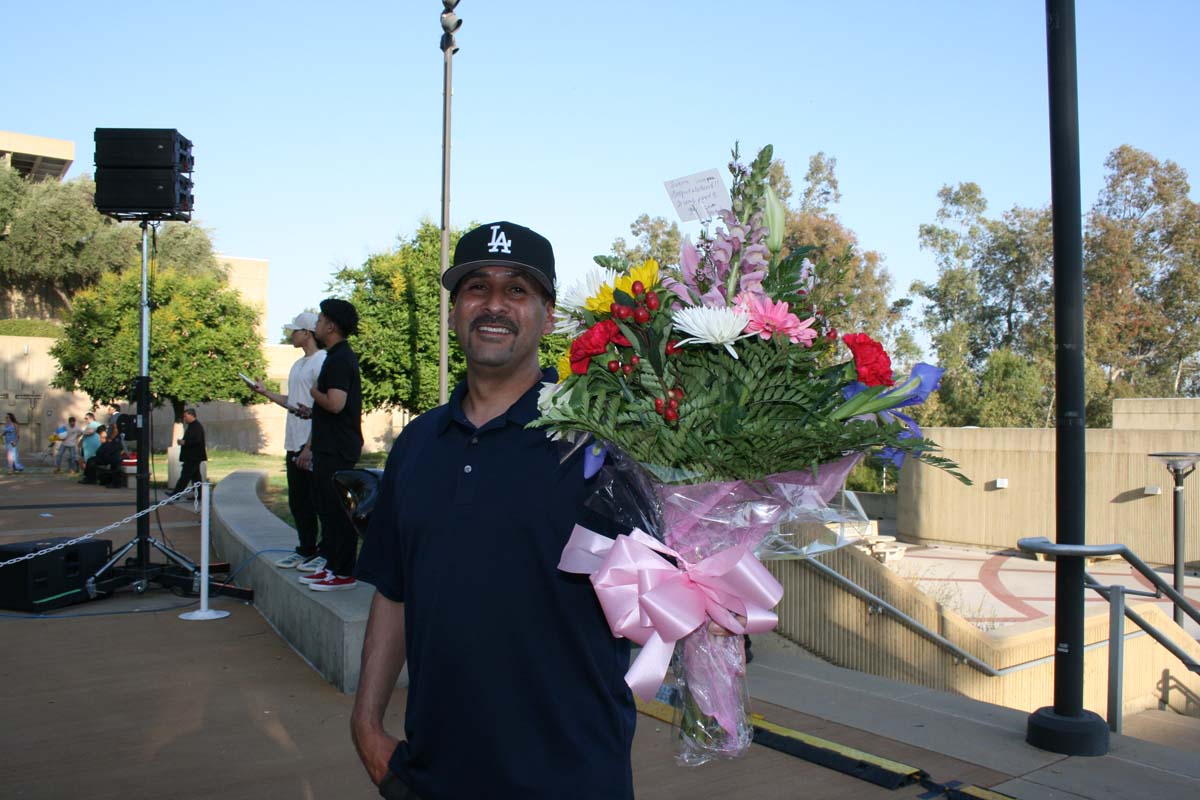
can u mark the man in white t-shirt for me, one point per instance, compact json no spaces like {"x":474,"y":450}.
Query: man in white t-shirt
{"x":69,"y":446}
{"x":301,"y":490}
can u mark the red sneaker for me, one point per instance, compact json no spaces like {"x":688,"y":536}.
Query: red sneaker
{"x":312,"y":577}
{"x":333,"y":584}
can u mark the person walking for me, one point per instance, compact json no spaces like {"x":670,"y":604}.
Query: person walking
{"x":301,"y":490}
{"x":462,"y":549}
{"x":12,"y":443}
{"x":68,"y":446}
{"x":335,"y":443}
{"x":191,"y":452}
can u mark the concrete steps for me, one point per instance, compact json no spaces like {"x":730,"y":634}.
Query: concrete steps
{"x":1166,"y":728}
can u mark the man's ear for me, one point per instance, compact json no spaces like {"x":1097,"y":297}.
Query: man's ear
{"x":548,"y":326}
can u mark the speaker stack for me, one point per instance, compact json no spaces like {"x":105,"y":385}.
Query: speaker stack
{"x":144,"y":173}
{"x":56,"y":579}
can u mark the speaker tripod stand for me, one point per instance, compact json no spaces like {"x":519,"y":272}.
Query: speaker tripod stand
{"x":178,"y":572}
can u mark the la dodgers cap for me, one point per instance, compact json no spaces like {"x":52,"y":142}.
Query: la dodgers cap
{"x":502,"y":244}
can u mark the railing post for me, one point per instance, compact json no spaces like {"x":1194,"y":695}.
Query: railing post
{"x":204,"y":612}
{"x":1116,"y":656}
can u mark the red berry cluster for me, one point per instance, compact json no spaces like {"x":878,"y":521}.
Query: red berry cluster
{"x":627,"y":367}
{"x":644,"y":303}
{"x":668,"y":407}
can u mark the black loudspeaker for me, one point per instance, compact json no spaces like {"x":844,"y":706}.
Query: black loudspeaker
{"x":144,"y":173}
{"x":53,"y":580}
{"x":132,"y":191}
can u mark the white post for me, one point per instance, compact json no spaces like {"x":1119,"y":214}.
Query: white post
{"x":204,"y":612}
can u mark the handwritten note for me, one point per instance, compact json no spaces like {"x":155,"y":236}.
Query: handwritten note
{"x":698,"y":196}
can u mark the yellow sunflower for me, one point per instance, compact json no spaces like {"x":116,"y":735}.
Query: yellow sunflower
{"x":601,"y":302}
{"x":646,"y":272}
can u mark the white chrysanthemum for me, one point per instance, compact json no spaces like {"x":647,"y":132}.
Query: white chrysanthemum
{"x":712,"y":325}
{"x":569,"y":306}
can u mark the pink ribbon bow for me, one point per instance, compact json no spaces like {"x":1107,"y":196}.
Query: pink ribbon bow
{"x":649,"y":600}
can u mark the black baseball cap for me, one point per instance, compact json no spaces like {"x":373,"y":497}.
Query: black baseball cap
{"x":502,"y":244}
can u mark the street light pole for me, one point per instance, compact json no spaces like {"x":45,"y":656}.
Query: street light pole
{"x":450,"y":24}
{"x":1067,"y":727}
{"x":1180,"y":465}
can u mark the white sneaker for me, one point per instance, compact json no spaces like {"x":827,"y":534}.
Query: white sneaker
{"x":290,"y":561}
{"x":314,"y":564}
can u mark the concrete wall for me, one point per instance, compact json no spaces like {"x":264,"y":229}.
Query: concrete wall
{"x":827,"y":620}
{"x":934,"y":507}
{"x":1157,"y":414}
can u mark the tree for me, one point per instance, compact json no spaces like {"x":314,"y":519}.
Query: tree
{"x":820,"y":185}
{"x":53,"y":242}
{"x":1012,"y":392}
{"x":993,"y":298}
{"x":396,"y":295}
{"x":654,"y":238}
{"x":1142,"y":270}
{"x":202,"y":335}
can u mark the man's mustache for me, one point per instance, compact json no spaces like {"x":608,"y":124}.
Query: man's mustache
{"x":494,"y":322}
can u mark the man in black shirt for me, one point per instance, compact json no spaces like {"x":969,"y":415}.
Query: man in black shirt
{"x":335,"y":443}
{"x":191,"y":451}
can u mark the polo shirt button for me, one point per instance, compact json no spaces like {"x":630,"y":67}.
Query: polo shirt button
{"x":467,"y":469}
{"x":474,"y":440}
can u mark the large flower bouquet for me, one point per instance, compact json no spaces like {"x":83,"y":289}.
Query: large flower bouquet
{"x":719,"y":391}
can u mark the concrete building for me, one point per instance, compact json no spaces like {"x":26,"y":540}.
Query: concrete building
{"x":36,"y":157}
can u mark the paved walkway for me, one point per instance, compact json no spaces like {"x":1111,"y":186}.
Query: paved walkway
{"x":121,"y":699}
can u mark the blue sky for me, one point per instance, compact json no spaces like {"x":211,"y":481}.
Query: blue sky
{"x":317,"y":127}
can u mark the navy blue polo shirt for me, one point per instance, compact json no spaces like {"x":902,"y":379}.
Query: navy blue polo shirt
{"x":516,"y":683}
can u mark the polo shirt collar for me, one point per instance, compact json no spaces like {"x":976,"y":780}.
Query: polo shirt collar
{"x":521,"y":413}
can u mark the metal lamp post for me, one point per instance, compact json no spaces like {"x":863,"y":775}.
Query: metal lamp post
{"x":1181,"y":465}
{"x":1067,"y":727}
{"x":450,"y":24}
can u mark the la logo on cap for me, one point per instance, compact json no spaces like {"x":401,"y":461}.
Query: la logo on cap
{"x":500,"y":242}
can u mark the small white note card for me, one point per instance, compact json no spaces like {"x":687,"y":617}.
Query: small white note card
{"x":698,"y":196}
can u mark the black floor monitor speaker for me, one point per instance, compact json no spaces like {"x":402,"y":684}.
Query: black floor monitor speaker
{"x":53,"y":580}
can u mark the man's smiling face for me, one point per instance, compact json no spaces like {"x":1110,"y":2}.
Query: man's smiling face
{"x":499,"y":316}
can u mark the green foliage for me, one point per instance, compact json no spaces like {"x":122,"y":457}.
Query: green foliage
{"x":30,"y":327}
{"x":397,"y":295}
{"x":989,"y":312}
{"x":771,"y":410}
{"x":653,"y":238}
{"x":53,"y":242}
{"x":202,"y":335}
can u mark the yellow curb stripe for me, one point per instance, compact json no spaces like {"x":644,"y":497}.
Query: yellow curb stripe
{"x":841,"y":749}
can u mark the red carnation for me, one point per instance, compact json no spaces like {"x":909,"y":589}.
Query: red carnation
{"x":870,"y":359}
{"x":593,"y":342}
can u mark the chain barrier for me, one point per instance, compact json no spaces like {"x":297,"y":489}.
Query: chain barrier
{"x":192,"y":489}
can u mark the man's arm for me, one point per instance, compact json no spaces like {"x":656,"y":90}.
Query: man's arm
{"x":275,"y":397}
{"x":382,"y":659}
{"x":332,"y":401}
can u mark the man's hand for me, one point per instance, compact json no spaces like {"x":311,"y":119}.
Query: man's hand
{"x":302,"y":411}
{"x":259,"y":387}
{"x":304,"y":459}
{"x":375,"y":747}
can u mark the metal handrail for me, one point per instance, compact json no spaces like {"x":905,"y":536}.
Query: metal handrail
{"x":1115,"y":595}
{"x":915,"y":625}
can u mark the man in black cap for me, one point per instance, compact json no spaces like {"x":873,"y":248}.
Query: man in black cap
{"x":335,"y":443}
{"x":463,"y":547}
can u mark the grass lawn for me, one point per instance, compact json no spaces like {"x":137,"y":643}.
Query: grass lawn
{"x":274,"y":494}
